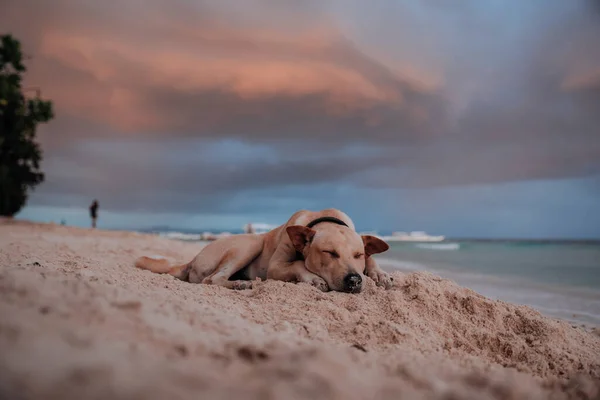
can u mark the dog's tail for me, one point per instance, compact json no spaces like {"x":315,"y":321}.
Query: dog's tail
{"x":162,"y":266}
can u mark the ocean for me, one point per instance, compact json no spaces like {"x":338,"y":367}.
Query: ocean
{"x":559,"y":279}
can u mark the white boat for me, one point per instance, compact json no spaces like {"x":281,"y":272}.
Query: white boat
{"x":415,"y":236}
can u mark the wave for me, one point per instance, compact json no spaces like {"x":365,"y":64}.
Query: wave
{"x":438,"y":246}
{"x":194,"y":237}
{"x":188,"y":237}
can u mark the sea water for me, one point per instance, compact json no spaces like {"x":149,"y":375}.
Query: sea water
{"x":561,"y":280}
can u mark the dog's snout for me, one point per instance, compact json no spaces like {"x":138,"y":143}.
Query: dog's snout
{"x":353,"y":283}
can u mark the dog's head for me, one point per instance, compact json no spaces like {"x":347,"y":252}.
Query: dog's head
{"x":336,"y":253}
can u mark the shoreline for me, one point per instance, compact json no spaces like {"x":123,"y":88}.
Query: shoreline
{"x":516,"y":291}
{"x":77,"y":320}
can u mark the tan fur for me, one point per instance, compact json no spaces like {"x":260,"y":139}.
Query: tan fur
{"x":162,"y":266}
{"x":332,"y":255}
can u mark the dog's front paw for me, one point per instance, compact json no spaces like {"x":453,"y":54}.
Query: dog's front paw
{"x":381,"y":278}
{"x":241,"y":285}
{"x":320,"y":284}
{"x":317,"y":282}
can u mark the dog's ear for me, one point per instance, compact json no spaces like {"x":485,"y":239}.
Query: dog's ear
{"x":373,"y":245}
{"x":300,"y":236}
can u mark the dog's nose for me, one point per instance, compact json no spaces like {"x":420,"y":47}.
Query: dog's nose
{"x":353,"y":283}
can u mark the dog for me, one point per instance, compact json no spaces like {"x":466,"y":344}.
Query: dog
{"x":321,"y":248}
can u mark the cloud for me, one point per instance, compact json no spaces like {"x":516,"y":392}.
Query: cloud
{"x":436,"y":93}
{"x":195,"y":73}
{"x":185,"y":177}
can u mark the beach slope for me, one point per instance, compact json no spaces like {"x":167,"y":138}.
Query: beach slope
{"x":78,"y":321}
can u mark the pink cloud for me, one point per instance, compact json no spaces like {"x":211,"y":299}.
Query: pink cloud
{"x":120,"y":67}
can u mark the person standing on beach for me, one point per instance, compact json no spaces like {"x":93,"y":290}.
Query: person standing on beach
{"x":94,"y":212}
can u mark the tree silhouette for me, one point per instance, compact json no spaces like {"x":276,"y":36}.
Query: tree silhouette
{"x":20,"y":155}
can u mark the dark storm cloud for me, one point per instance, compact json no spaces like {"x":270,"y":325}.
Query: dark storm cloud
{"x":148,"y":180}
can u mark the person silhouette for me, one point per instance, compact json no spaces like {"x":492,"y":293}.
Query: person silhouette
{"x":94,"y":212}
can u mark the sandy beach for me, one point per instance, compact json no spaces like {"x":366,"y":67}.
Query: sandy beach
{"x":78,"y":321}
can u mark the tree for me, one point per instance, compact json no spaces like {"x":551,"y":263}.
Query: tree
{"x":20,"y":155}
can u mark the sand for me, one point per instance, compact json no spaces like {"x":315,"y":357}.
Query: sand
{"x":77,"y":321}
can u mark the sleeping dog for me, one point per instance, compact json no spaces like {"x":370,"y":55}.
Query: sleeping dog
{"x":321,"y":248}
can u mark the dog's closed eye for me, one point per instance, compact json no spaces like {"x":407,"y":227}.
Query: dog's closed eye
{"x":333,"y":253}
{"x":358,"y":255}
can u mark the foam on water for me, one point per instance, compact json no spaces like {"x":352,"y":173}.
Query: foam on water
{"x":181,"y":236}
{"x":438,"y":246}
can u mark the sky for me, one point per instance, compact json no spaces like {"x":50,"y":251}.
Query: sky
{"x":466,"y":118}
